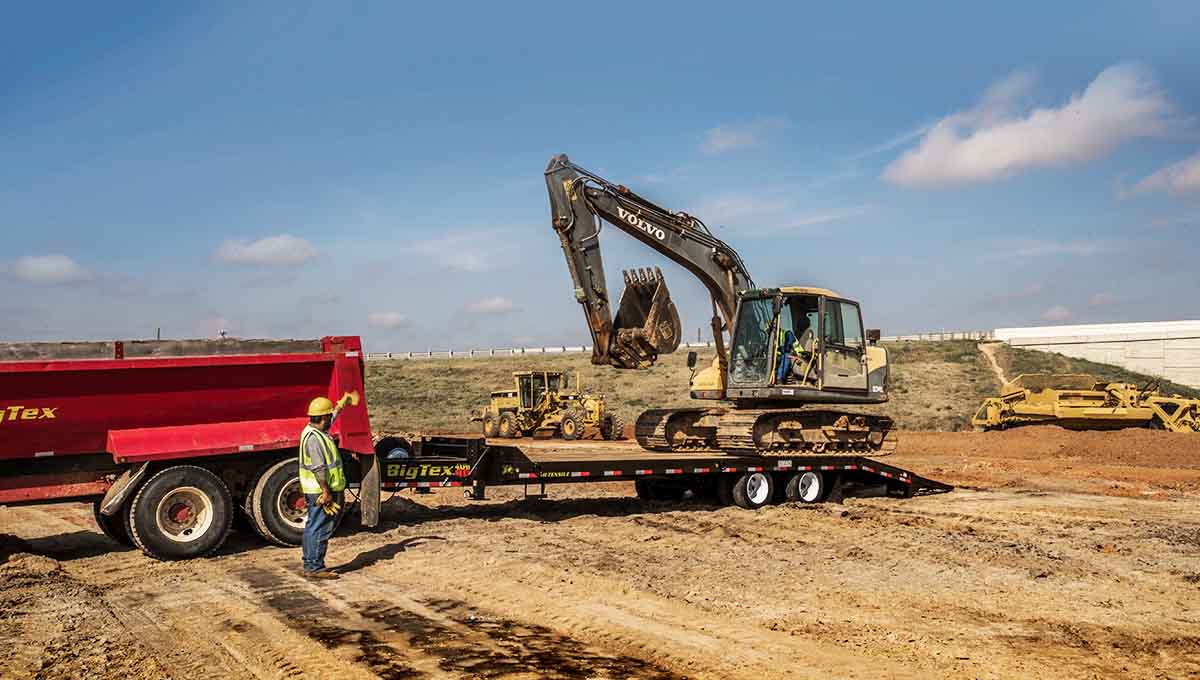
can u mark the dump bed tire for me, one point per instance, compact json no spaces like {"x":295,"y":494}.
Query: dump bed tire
{"x":113,"y":525}
{"x":277,"y":504}
{"x":807,"y":487}
{"x":753,"y":490}
{"x":183,"y":511}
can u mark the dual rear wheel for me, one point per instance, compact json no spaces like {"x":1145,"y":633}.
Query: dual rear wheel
{"x":187,"y":511}
{"x":754,"y":490}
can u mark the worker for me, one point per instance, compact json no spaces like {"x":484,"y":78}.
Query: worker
{"x":322,"y":481}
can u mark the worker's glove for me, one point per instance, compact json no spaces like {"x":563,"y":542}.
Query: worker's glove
{"x":332,"y":509}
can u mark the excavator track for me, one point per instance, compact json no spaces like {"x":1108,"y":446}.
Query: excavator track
{"x":672,"y":429}
{"x":767,"y":432}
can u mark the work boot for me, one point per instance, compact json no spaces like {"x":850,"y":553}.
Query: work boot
{"x":320,"y":574}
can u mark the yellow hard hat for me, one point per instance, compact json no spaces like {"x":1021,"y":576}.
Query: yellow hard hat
{"x":320,"y":407}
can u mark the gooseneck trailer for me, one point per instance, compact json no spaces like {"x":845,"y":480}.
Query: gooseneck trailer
{"x":170,"y":448}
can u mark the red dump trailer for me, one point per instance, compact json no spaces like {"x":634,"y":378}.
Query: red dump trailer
{"x":171,"y":448}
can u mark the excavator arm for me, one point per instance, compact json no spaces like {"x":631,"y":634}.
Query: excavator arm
{"x":646,"y":323}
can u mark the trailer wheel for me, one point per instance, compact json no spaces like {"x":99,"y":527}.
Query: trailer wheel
{"x":725,"y":489}
{"x":571,"y":425}
{"x":508,"y":426}
{"x":806,"y":487}
{"x":113,"y":526}
{"x":612,"y":427}
{"x":183,"y":511}
{"x":278,"y":506}
{"x":753,"y":490}
{"x":490,"y":427}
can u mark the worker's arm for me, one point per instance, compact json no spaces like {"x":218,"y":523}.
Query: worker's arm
{"x":316,"y":465}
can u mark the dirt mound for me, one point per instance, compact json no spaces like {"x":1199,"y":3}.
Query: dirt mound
{"x":1133,"y":447}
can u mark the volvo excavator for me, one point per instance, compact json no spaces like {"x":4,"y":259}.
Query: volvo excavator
{"x":791,"y":352}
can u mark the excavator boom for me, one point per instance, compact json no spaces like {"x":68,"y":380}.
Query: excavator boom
{"x":646,"y":323}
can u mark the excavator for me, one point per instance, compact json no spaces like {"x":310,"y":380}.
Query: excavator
{"x":792,"y":353}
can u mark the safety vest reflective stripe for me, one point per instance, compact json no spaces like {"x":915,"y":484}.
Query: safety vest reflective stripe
{"x":335,"y":476}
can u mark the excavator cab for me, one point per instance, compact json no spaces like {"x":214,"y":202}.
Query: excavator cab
{"x":795,"y":343}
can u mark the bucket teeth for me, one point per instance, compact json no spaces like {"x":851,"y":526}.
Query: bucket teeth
{"x":647,"y":323}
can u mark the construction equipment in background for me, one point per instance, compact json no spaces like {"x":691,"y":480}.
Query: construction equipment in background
{"x":787,"y":347}
{"x":544,"y":401}
{"x":1080,"y":402}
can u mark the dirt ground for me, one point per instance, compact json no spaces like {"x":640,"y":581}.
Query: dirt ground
{"x":1060,"y":555}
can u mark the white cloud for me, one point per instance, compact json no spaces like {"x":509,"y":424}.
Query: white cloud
{"x":998,"y":138}
{"x":388,"y":320}
{"x":48,"y":270}
{"x":1101,"y":300}
{"x":491,"y":305}
{"x":739,"y":135}
{"x":1177,"y":178}
{"x":283,"y":249}
{"x":1056,"y":313}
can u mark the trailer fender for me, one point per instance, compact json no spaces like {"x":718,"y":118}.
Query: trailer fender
{"x":121,"y":489}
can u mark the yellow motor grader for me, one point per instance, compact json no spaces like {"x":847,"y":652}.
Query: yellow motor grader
{"x":543,"y":401}
{"x":1080,"y":402}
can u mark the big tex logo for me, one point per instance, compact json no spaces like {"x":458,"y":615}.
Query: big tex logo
{"x":21,"y":412}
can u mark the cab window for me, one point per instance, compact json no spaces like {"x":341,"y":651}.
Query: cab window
{"x":842,"y":324}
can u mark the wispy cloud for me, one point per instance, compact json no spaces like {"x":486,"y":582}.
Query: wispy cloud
{"x":731,"y":136}
{"x":1056,"y":314}
{"x":283,"y":249}
{"x":388,"y":320}
{"x":998,"y":139}
{"x":466,"y":252}
{"x":491,"y":305}
{"x":1035,"y":248}
{"x":1101,"y":300}
{"x":48,"y":270}
{"x":1177,"y":178}
{"x":759,"y":216}
{"x":902,"y":139}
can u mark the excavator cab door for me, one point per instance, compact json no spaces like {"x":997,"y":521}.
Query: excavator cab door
{"x":843,"y":345}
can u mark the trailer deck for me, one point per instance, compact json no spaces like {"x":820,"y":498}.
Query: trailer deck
{"x":441,"y":461}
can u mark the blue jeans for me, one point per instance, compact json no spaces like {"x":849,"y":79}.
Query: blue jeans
{"x":317,"y":531}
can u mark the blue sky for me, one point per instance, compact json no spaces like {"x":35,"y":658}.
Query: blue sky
{"x":295,"y":170}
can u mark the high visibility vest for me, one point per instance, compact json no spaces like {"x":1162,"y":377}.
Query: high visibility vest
{"x":335,"y":476}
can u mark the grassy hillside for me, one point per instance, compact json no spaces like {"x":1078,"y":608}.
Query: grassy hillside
{"x":935,"y":386}
{"x":1015,"y":361}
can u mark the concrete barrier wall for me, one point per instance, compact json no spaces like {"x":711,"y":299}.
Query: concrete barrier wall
{"x":1169,"y":349}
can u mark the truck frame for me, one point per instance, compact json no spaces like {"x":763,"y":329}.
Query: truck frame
{"x":170,"y":448}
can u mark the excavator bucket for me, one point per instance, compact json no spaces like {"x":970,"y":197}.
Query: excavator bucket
{"x":647,"y":323}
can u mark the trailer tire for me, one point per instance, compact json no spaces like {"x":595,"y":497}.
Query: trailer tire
{"x":508,"y":426}
{"x":753,"y":490}
{"x":490,"y":427}
{"x":725,"y":484}
{"x":278,"y":507}
{"x":572,"y":425}
{"x":183,"y":511}
{"x":807,"y":487}
{"x":612,"y":427}
{"x":113,"y":526}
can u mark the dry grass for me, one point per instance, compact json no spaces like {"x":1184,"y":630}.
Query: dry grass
{"x":935,"y":386}
{"x":1016,"y":361}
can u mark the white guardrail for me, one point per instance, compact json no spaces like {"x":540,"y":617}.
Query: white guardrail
{"x":578,"y":349}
